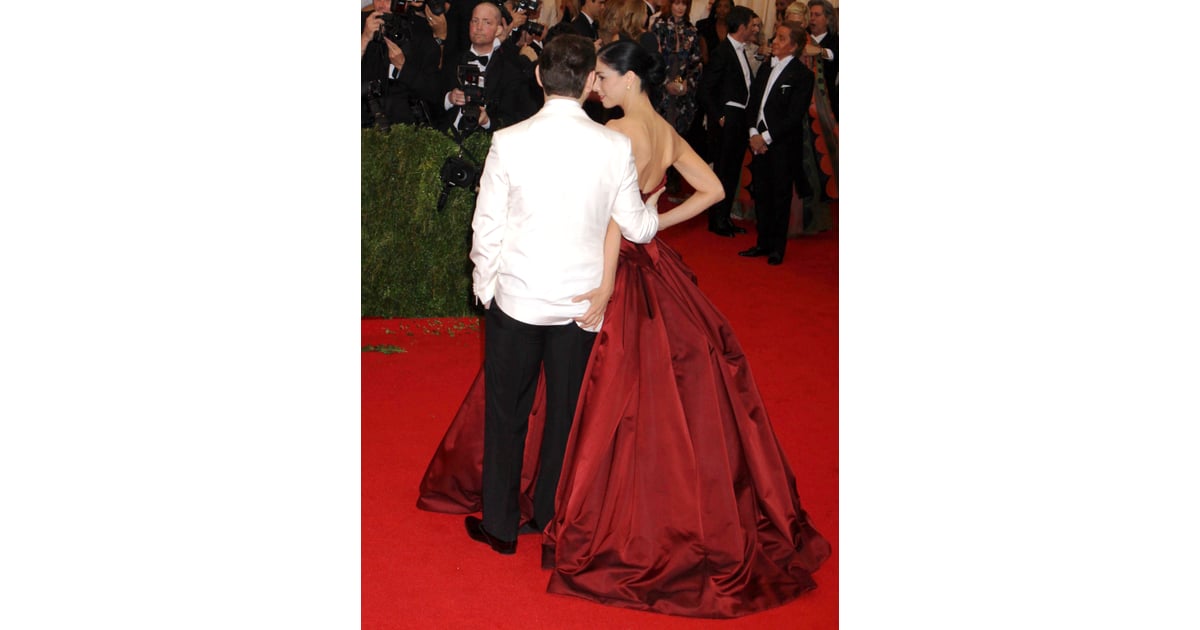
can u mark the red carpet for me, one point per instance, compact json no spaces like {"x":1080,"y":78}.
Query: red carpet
{"x":419,"y":569}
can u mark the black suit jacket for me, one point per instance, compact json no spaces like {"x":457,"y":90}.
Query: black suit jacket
{"x":582,"y":27}
{"x":505,"y":88}
{"x":722,"y":80}
{"x":786,"y":105}
{"x":415,"y":82}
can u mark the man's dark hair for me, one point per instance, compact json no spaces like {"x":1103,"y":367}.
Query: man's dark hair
{"x":564,"y":65}
{"x":737,"y":17}
{"x":796,"y":33}
{"x":830,"y":13}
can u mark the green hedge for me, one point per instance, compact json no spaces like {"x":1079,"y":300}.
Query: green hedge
{"x":415,"y":259}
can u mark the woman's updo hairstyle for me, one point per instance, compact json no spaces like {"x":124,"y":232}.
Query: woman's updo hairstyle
{"x":624,"y":56}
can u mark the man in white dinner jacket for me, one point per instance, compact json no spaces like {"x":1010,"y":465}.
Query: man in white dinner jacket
{"x":538,"y":251}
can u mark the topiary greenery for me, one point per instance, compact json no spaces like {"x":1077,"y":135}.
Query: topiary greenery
{"x":414,"y":258}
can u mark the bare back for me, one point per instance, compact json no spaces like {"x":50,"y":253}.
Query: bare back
{"x":656,"y":146}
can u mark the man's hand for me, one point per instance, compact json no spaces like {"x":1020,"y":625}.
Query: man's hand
{"x":395,"y":55}
{"x":519,"y":18}
{"x":813,"y":50}
{"x":483,"y":117}
{"x":436,"y":22}
{"x":458,"y":98}
{"x":758,"y":145}
{"x":374,"y":21}
{"x":597,"y":303}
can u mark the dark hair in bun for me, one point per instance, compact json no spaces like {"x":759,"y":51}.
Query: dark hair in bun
{"x":624,"y":56}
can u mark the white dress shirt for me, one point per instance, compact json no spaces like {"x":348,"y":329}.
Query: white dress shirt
{"x":540,"y":219}
{"x":777,"y":66}
{"x":739,"y":51}
{"x":482,"y":68}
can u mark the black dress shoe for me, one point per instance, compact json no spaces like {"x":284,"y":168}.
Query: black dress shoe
{"x":722,"y":231}
{"x":753,"y":252}
{"x":476,"y":532}
{"x":775,"y":259}
{"x":737,"y":230}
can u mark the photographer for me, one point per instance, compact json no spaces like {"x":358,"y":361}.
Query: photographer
{"x":484,"y":87}
{"x":401,"y":51}
{"x":525,"y":32}
{"x":525,"y":35}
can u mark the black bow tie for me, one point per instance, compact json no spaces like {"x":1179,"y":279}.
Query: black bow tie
{"x":482,"y":59}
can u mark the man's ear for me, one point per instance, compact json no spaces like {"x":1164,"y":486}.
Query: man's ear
{"x":537,"y":74}
{"x":589,"y":85}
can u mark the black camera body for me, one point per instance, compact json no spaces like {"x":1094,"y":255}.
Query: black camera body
{"x":459,"y":173}
{"x":438,"y":7}
{"x":396,"y":27}
{"x":398,"y":24}
{"x":533,"y":28}
{"x":374,"y":92}
{"x":456,"y":173}
{"x":527,"y":6}
{"x":471,"y":81}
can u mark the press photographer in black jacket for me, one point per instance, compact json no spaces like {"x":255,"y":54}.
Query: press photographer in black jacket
{"x":401,"y":54}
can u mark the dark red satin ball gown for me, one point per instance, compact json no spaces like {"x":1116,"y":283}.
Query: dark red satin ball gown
{"x":675,"y":496}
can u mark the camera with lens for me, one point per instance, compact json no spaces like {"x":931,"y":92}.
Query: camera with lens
{"x":374,"y":92}
{"x":459,"y":173}
{"x":396,"y":25}
{"x":533,"y":28}
{"x":456,"y":173}
{"x":471,"y":81}
{"x":436,"y":7}
{"x":527,"y":6}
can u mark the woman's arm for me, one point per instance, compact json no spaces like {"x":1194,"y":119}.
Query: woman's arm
{"x":700,"y":177}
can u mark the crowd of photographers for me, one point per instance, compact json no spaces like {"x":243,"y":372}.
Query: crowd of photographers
{"x":462,"y":65}
{"x":467,"y":65}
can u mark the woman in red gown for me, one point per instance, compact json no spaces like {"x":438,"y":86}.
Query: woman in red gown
{"x":675,"y":495}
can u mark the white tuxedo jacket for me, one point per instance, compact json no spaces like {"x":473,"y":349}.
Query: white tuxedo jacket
{"x":549,"y":186}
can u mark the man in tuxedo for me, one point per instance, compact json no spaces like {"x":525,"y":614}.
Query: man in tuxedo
{"x":506,"y":99}
{"x":779,"y":98}
{"x":587,"y":23}
{"x":724,"y":90}
{"x":538,"y":251}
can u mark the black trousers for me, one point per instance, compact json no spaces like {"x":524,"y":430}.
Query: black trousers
{"x":735,"y":137}
{"x":772,"y":174}
{"x":514,"y":352}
